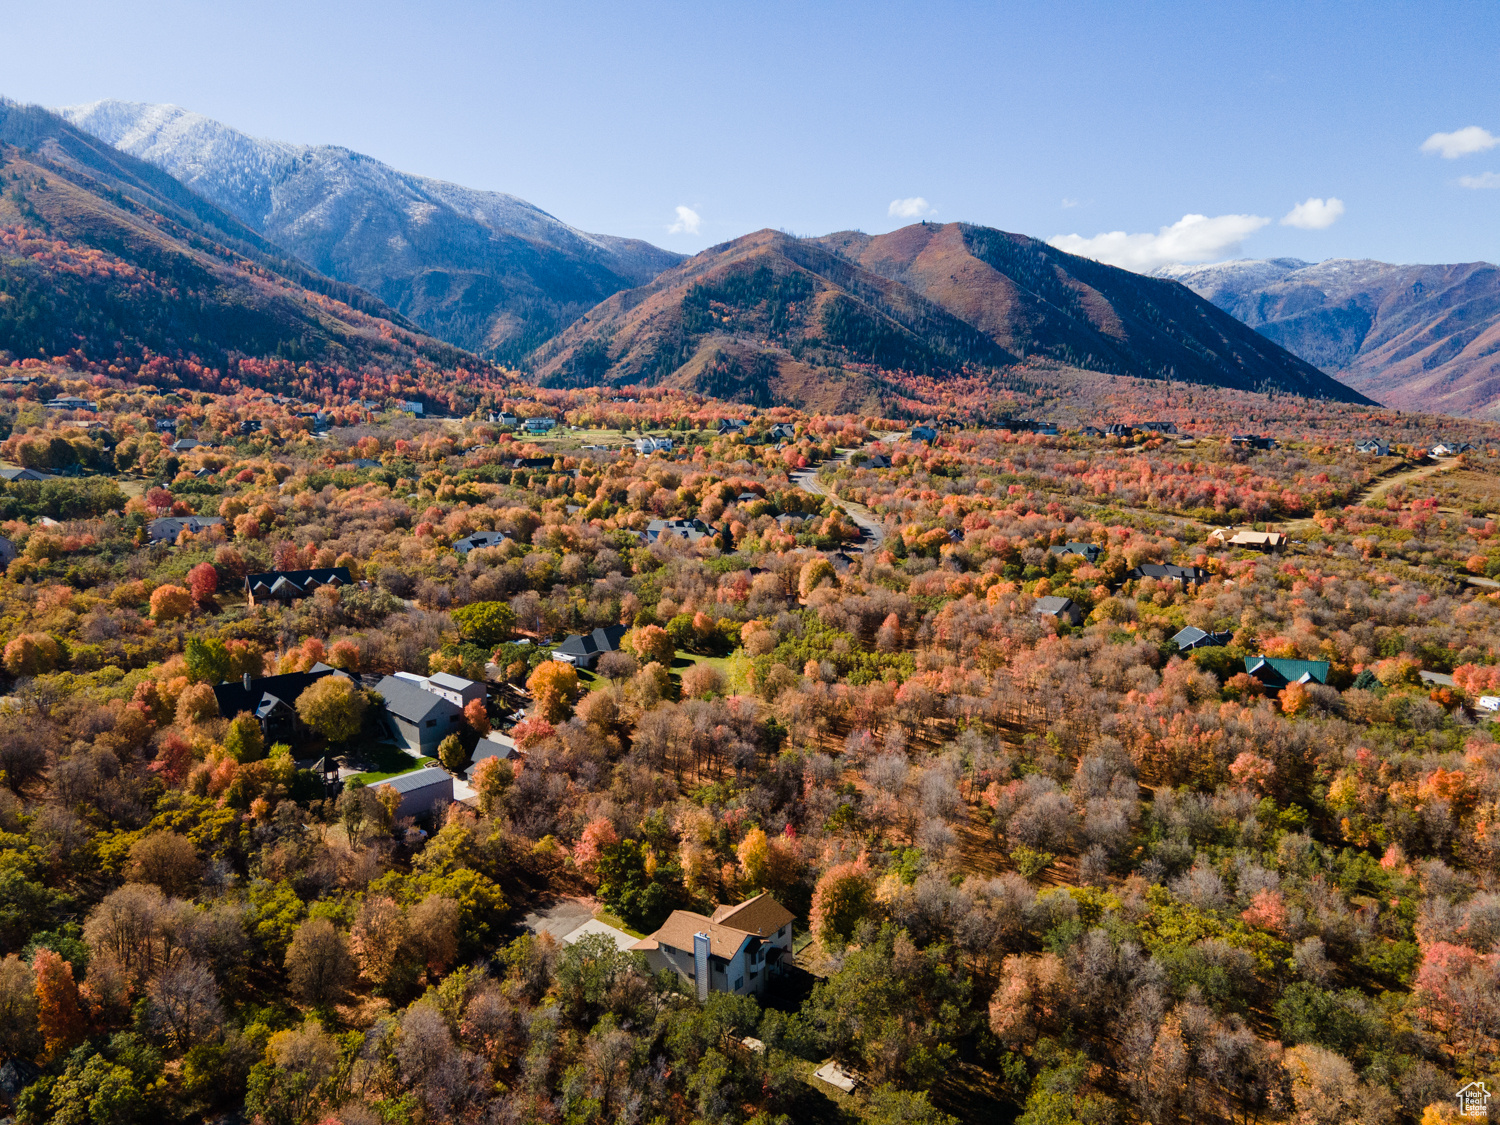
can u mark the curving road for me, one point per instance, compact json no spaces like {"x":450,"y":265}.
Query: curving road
{"x":807,"y":480}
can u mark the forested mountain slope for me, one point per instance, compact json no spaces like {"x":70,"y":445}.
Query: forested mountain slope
{"x":484,"y":270}
{"x":1033,"y":299}
{"x":1415,"y":337}
{"x":115,"y":262}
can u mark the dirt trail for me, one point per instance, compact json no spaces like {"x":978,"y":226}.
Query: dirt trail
{"x":1376,"y":489}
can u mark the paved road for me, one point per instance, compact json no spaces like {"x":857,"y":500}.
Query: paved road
{"x":807,"y":480}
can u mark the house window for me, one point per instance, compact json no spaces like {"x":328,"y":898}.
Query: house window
{"x":739,"y":983}
{"x":432,"y":722}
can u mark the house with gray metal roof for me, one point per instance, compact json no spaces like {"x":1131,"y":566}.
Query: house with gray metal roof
{"x":1064,"y":609}
{"x":418,"y":719}
{"x":422,"y":791}
{"x":1193,"y":637}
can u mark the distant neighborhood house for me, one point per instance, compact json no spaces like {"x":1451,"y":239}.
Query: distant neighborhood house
{"x":1375,"y":447}
{"x":583,"y":650}
{"x":1193,"y":637}
{"x":478,"y":540}
{"x":1091,"y":552}
{"x":1250,"y":540}
{"x":168,"y":528}
{"x":1064,"y":609}
{"x":1276,"y":672}
{"x":289,"y":585}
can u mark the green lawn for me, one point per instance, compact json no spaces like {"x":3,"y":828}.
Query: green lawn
{"x":603,"y":915}
{"x":380,"y":760}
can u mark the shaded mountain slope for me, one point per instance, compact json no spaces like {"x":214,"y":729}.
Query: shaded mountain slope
{"x":1414,"y":337}
{"x":102,"y":254}
{"x":1033,"y":299}
{"x":769,"y":317}
{"x":484,"y":270}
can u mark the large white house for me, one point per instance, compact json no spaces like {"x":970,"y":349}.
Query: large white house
{"x":737,"y":950}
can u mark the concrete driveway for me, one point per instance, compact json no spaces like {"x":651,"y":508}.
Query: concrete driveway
{"x":560,"y":918}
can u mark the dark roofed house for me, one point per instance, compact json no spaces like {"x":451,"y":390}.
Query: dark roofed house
{"x":363,"y":463}
{"x":1193,"y":637}
{"x":1158,"y":427}
{"x":185,"y":445}
{"x":1276,"y":672}
{"x":783,"y":431}
{"x":1091,"y":552}
{"x":731,"y":425}
{"x":1169,"y":572}
{"x":289,"y":585}
{"x":271,"y":699}
{"x":1252,"y":441}
{"x":23,"y":474}
{"x":923,"y":433}
{"x":1373,"y":446}
{"x":168,"y":528}
{"x":1064,"y":609}
{"x":477,"y":540}
{"x":582,"y":650}
{"x":419,"y":719}
{"x":692,"y":530}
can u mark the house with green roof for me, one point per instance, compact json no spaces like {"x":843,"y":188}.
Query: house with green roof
{"x":1276,"y":672}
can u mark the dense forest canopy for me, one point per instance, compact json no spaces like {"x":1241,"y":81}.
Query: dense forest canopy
{"x":1061,"y":866}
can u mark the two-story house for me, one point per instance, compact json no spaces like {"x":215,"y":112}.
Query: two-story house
{"x":737,"y":950}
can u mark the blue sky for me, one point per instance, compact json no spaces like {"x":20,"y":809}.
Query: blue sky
{"x":1050,"y":119}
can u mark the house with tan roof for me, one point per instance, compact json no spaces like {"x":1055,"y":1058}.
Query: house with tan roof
{"x":736,"y":950}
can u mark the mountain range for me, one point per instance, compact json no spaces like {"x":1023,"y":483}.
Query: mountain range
{"x":106,"y":255}
{"x":814,"y":321}
{"x":845,"y":321}
{"x":1410,"y":336}
{"x":483,"y":270}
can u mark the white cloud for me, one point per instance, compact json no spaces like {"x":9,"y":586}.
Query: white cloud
{"x":1483,"y":180}
{"x":1460,"y":142}
{"x":1194,"y":238}
{"x":1314,"y":214}
{"x":688,"y":221}
{"x":913,"y":208}
{"x":1067,"y":203}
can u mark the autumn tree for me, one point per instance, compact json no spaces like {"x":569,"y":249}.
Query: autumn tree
{"x":196,"y":704}
{"x":843,"y":897}
{"x":166,"y":860}
{"x":451,"y":753}
{"x":477,"y":717}
{"x":19,"y":1034}
{"x":208,"y":661}
{"x":169,"y":603}
{"x":203,"y":582}
{"x":490,"y":779}
{"x":58,"y":1011}
{"x":652,"y":644}
{"x":553,"y":686}
{"x":333,"y":706}
{"x":243,"y":741}
{"x":31,"y":654}
{"x":317,"y":962}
